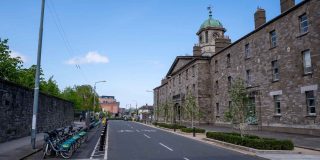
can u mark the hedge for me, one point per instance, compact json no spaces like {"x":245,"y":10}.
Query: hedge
{"x":190,"y":130}
{"x":252,"y":141}
{"x":170,"y":126}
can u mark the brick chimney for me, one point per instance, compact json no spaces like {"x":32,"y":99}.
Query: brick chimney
{"x":259,"y":17}
{"x":286,"y":5}
{"x":196,"y":50}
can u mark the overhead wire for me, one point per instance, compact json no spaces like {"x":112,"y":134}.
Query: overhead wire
{"x":64,"y":37}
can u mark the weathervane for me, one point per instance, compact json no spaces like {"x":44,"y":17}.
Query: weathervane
{"x":210,"y":10}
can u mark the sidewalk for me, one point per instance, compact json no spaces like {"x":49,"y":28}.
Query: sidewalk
{"x":299,"y":140}
{"x":19,"y":148}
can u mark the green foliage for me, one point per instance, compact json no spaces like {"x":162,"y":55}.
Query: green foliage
{"x":239,"y":107}
{"x":190,"y":130}
{"x":170,"y":126}
{"x":9,"y":66}
{"x":252,"y":141}
{"x":191,"y":108}
{"x":82,"y":97}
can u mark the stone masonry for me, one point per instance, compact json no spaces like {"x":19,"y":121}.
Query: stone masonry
{"x":16,"y":111}
{"x":252,"y":59}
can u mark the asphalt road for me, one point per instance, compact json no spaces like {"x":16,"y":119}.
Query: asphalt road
{"x":134,"y":141}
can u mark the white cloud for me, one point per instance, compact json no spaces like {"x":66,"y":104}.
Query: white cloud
{"x":90,"y":57}
{"x":18,"y":54}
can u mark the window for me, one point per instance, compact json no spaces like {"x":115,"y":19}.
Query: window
{"x":229,"y":82}
{"x":228,"y":60}
{"x":273,"y":39}
{"x":217,"y":87}
{"x":217,"y":109}
{"x":187,"y":90}
{"x":187,"y":74}
{"x":194,"y":88}
{"x":307,"y":62}
{"x":206,"y":36}
{"x":311,"y":108}
{"x":230,"y":105}
{"x":174,"y":80}
{"x":216,"y":65}
{"x":179,"y":78}
{"x":247,"y":51}
{"x":248,"y":77}
{"x":303,"y":23}
{"x":193,"y":73}
{"x":200,"y":39}
{"x":275,"y":70}
{"x":277,"y":107}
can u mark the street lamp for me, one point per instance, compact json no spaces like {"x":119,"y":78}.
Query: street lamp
{"x":94,"y":93}
{"x":136,"y":108}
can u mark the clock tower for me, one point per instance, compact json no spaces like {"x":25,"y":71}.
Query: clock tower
{"x":211,"y":36}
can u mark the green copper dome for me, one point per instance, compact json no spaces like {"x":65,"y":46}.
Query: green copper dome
{"x":211,"y":23}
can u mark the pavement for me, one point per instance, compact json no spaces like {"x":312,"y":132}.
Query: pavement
{"x":20,"y":148}
{"x":135,"y":141}
{"x":299,"y":140}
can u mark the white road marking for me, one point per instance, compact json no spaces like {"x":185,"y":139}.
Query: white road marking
{"x":148,"y":130}
{"x":185,"y":158}
{"x":92,"y":154}
{"x":137,"y":130}
{"x":121,"y":131}
{"x":106,"y":144}
{"x":131,"y":127}
{"x":166,"y":147}
{"x":146,"y":136}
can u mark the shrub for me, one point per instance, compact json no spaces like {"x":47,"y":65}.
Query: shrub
{"x":170,"y":126}
{"x":252,"y":141}
{"x":190,"y":130}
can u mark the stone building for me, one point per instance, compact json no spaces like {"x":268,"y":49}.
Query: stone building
{"x":279,"y":61}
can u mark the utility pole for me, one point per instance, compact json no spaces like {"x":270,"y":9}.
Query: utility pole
{"x":36,"y":84}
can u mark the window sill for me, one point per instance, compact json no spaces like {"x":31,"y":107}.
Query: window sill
{"x":302,"y":34}
{"x":272,"y":47}
{"x":274,"y":81}
{"x":277,"y":115}
{"x":307,"y":74}
{"x":247,"y":58}
{"x":311,"y":115}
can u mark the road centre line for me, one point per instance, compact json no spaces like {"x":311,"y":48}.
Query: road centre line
{"x":166,"y":147}
{"x":146,"y":136}
{"x":185,"y":158}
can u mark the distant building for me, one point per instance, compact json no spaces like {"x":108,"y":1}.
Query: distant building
{"x":278,"y":60}
{"x":145,"y":112}
{"x":109,"y":104}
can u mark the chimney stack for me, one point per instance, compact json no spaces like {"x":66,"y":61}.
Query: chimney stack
{"x":286,"y":5}
{"x":196,"y":50}
{"x":259,"y":17}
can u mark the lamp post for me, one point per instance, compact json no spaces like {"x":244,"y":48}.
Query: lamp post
{"x":94,"y":94}
{"x":136,"y":108}
{"x":36,"y":85}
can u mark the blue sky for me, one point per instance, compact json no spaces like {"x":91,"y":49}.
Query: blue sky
{"x":129,"y":43}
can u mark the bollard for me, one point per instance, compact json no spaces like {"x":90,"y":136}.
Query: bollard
{"x":194,"y":131}
{"x":101,"y":143}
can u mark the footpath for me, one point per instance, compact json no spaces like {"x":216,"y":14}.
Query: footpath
{"x":19,"y":148}
{"x":306,"y":147}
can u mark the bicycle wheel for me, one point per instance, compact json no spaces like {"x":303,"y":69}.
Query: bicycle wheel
{"x":46,"y":150}
{"x":67,"y":153}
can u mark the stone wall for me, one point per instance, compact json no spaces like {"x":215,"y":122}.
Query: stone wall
{"x":16,"y":111}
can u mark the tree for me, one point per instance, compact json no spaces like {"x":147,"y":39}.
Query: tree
{"x":50,"y":87}
{"x":191,"y":108}
{"x":238,"y":112}
{"x":9,"y":66}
